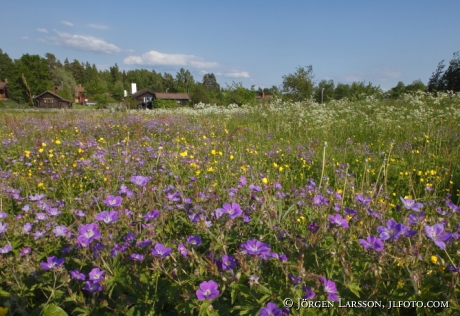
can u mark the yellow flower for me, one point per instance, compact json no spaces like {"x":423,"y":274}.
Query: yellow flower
{"x":434,"y":259}
{"x":264,"y":180}
{"x":40,"y":150}
{"x":80,"y":150}
{"x":183,"y":154}
{"x":3,"y":311}
{"x":58,"y":142}
{"x":27,"y":153}
{"x":40,"y":184}
{"x":43,"y":144}
{"x":214,"y":152}
{"x":231,"y":157}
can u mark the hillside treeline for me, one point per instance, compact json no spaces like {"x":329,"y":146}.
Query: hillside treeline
{"x":32,"y":74}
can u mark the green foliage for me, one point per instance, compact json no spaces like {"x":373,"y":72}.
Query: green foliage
{"x":328,"y":92}
{"x":237,"y":94}
{"x":6,"y":66}
{"x":165,"y":104}
{"x":184,"y":81}
{"x":448,"y":80}
{"x":210,"y":83}
{"x":200,"y":93}
{"x":299,"y":86}
{"x":102,"y":100}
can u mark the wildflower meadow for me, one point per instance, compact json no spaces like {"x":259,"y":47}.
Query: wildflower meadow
{"x":344,"y":208}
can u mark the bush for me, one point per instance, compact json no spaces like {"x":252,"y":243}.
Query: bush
{"x":165,"y":104}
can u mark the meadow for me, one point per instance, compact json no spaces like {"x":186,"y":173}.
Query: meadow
{"x":232,"y":210}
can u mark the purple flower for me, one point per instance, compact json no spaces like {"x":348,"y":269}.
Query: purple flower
{"x":232,"y":209}
{"x":92,"y":287}
{"x":208,"y":290}
{"x":41,"y":216}
{"x":338,"y":220}
{"x":136,"y":257}
{"x":255,"y":188}
{"x":77,"y":275}
{"x":107,"y":217}
{"x":3,"y":227}
{"x":2,"y":215}
{"x":270,"y":310}
{"x":411,"y":204}
{"x":295,"y":280}
{"x":416,"y":218}
{"x":437,"y":234}
{"x":330,"y":288}
{"x":113,"y":201}
{"x":60,"y":231}
{"x":143,"y":243}
{"x":88,"y":233}
{"x":452,"y":206}
{"x":255,"y":247}
{"x":36,"y":197}
{"x":194,"y":240}
{"x":320,"y":200}
{"x":53,"y":211}
{"x":124,"y":190}
{"x":375,"y":214}
{"x":228,"y":262}
{"x":38,"y":234}
{"x":51,"y":263}
{"x":151,"y":215}
{"x":182,"y":250}
{"x":140,"y":180}
{"x":308,"y":291}
{"x":313,"y":227}
{"x":392,"y":231}
{"x":6,"y":249}
{"x":25,"y":251}
{"x":362,"y":200}
{"x":372,"y":242}
{"x":242,"y":181}
{"x":96,"y":275}
{"x":161,"y":251}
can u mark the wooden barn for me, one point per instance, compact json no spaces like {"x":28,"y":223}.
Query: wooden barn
{"x":50,"y":100}
{"x":3,"y":91}
{"x":145,"y":97}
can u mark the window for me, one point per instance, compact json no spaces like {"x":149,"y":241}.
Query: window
{"x":48,"y":100}
{"x":147,"y":99}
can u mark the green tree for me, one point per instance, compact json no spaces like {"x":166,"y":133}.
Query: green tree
{"x":35,"y":71}
{"x":200,"y":93}
{"x":397,"y":91}
{"x":169,"y":83}
{"x":184,"y":81}
{"x":237,"y":94}
{"x":328,"y":92}
{"x":451,"y":77}
{"x":64,"y":78}
{"x":299,"y":86}
{"x":6,"y":66}
{"x":342,"y":91}
{"x":416,"y":85}
{"x":210,"y":83}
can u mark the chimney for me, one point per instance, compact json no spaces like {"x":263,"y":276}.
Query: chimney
{"x":6,"y":80}
{"x":133,"y":88}
{"x":125,"y":93}
{"x":263,"y":95}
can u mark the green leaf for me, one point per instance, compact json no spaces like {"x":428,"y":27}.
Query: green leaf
{"x":53,"y":310}
{"x":4,"y":293}
{"x":354,"y":287}
{"x":287,"y":212}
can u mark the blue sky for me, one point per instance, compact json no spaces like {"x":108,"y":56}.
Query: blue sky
{"x":253,"y":42}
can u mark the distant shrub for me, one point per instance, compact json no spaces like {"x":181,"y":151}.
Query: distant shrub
{"x":165,"y":104}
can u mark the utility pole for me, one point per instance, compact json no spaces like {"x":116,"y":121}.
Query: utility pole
{"x":322,"y":93}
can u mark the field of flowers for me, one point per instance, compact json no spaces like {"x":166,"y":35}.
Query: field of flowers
{"x":232,"y":211}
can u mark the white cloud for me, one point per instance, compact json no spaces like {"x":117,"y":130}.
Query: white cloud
{"x":237,"y":74}
{"x":83,"y":42}
{"x":67,"y":23}
{"x":378,"y":74}
{"x":42,"y":30}
{"x":98,"y":26}
{"x":25,"y":38}
{"x":154,"y":58}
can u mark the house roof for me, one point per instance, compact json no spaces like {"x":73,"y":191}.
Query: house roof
{"x":141,"y":92}
{"x":54,"y":95}
{"x":162,"y":95}
{"x":3,"y":85}
{"x":171,"y":96}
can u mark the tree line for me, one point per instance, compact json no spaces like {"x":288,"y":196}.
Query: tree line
{"x":32,"y":74}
